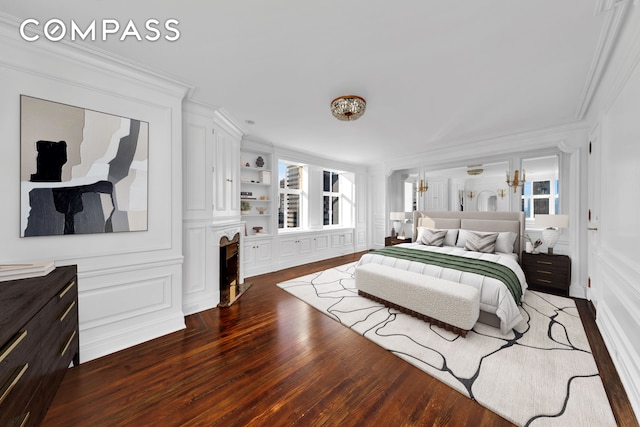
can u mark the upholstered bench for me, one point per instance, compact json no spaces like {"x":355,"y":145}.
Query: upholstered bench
{"x":448,"y":304}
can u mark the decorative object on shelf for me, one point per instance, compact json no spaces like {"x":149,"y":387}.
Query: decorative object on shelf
{"x":501,"y":192}
{"x":470,"y":194}
{"x":474,"y":170}
{"x":264,"y":197}
{"x":248,"y":164}
{"x":551,"y":224}
{"x":398,"y":218}
{"x":259,"y":162}
{"x":348,"y":107}
{"x":245,"y":207}
{"x":516,"y":182}
{"x":261,"y":209}
{"x":265,"y":176}
{"x":531,"y":246}
{"x":257,"y":229}
{"x":423,"y":187}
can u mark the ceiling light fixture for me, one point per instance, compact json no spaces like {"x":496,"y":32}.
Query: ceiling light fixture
{"x":474,"y":169}
{"x":348,"y":107}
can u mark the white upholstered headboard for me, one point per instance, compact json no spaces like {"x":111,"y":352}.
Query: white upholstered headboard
{"x":478,"y":221}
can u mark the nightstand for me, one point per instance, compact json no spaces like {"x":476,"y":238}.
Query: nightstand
{"x":390,"y":241}
{"x":547,"y":273}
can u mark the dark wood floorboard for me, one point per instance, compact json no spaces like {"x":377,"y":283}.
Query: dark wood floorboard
{"x":272,"y":360}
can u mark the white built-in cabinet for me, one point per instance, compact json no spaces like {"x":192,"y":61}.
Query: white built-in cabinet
{"x":303,"y":247}
{"x":258,"y":254}
{"x":211,"y":178}
{"x":226,"y":174}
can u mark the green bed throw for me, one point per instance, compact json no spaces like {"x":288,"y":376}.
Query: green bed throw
{"x":455,"y":262}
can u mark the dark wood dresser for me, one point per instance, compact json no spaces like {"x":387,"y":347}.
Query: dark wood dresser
{"x":391,"y":241}
{"x":547,"y":273}
{"x":38,"y":341}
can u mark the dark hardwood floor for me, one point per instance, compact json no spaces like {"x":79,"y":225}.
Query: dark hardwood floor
{"x":272,"y":360}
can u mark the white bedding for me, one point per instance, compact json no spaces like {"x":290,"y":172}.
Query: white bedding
{"x":494,"y":295}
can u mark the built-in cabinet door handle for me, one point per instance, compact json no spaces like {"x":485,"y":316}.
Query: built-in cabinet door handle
{"x":229,"y":180}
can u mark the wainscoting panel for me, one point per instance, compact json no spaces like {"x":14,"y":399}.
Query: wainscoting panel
{"x":118,"y":310}
{"x":618,"y":318}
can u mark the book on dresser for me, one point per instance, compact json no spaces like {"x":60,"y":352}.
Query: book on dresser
{"x":38,"y":341}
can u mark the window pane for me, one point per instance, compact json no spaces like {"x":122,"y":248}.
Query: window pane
{"x":557,"y":206}
{"x":541,"y":206}
{"x":527,"y":188}
{"x":293,"y":210}
{"x":325,"y":214}
{"x":335,"y":182}
{"x":282,"y":175}
{"x":326,"y":178}
{"x":294,"y":177}
{"x":335,"y":210}
{"x":281,"y":212}
{"x":541,"y":187}
{"x":526,"y":207}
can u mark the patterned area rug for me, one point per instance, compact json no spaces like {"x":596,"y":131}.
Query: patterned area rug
{"x":541,"y":374}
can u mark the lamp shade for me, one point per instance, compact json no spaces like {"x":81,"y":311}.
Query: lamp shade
{"x":397,"y":216}
{"x":552,"y":221}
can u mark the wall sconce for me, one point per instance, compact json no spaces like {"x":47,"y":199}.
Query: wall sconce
{"x":470,"y":194}
{"x":515,"y":182}
{"x":423,"y":187}
{"x":501,"y":192}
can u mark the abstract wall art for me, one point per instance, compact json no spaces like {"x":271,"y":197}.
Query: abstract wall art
{"x":82,"y":171}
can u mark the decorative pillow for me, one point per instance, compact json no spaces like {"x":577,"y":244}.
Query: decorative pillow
{"x":431,"y":236}
{"x":462,"y":238}
{"x":505,"y":242}
{"x":451,"y":237}
{"x":481,"y":242}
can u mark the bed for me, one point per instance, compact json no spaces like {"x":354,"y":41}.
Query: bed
{"x":441,"y":248}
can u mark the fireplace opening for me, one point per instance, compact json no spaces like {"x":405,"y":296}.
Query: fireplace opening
{"x":230,"y":287}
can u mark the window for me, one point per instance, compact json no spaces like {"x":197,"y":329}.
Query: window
{"x":540,"y":194}
{"x":290,"y":209}
{"x":331,"y":198}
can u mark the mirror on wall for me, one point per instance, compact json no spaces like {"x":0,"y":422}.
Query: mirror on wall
{"x":487,"y":201}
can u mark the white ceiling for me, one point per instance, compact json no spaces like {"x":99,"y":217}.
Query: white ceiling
{"x":434,"y":73}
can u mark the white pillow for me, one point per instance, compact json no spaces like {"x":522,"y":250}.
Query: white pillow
{"x":462,"y":238}
{"x":505,"y":242}
{"x":451,"y":237}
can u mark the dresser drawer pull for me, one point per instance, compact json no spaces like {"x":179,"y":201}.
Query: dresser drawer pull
{"x":544,"y":262}
{"x":11,"y":382}
{"x":66,"y":346}
{"x":25,"y":419}
{"x":67,"y":289}
{"x":543,"y":280}
{"x":7,"y":351}
{"x":544,"y":272}
{"x":73,"y":303}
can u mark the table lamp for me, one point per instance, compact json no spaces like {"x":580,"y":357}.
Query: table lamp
{"x":551,"y":224}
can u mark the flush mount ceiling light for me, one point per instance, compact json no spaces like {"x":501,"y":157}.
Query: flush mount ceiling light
{"x":474,"y":169}
{"x":348,"y":107}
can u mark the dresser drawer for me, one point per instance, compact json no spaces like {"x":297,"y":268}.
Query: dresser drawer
{"x":20,"y":372}
{"x":60,"y":344}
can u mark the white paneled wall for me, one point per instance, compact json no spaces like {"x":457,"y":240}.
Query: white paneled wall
{"x":130,"y":284}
